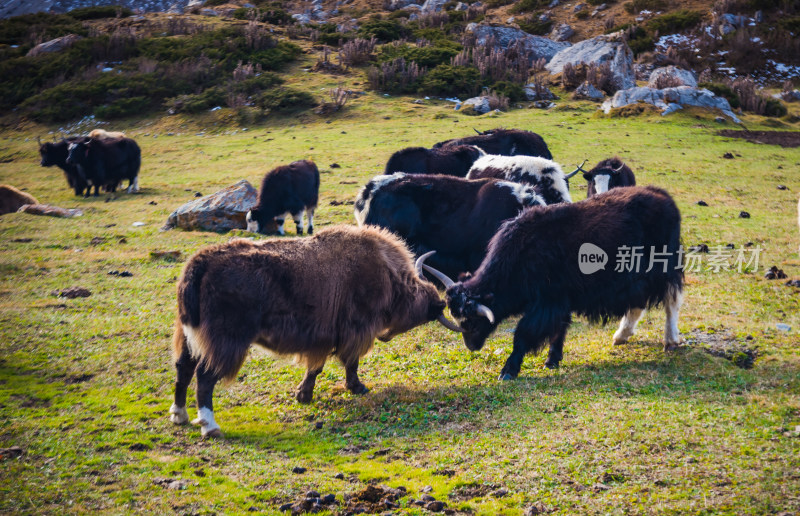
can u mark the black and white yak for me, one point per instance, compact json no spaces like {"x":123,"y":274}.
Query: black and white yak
{"x":106,"y":162}
{"x":544,"y":175}
{"x":453,"y":216}
{"x":450,"y":161}
{"x":553,"y":261}
{"x":291,"y":189}
{"x":330,"y":294}
{"x":609,"y":173}
{"x":506,"y":142}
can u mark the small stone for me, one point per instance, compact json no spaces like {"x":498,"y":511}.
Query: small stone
{"x":744,"y":215}
{"x":435,"y":506}
{"x":727,"y":155}
{"x":782,"y":187}
{"x":730,"y":246}
{"x":339,"y":476}
{"x":329,"y":499}
{"x":299,"y":470}
{"x":427,"y":498}
{"x":335,"y":165}
{"x":426,"y":489}
{"x":536,"y":508}
{"x":701,"y":203}
{"x":198,"y":194}
{"x":318,"y":425}
{"x":783,"y":327}
{"x":499,"y":493}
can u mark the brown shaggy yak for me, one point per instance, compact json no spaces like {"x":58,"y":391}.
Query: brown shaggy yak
{"x":12,"y":199}
{"x":331,"y":294}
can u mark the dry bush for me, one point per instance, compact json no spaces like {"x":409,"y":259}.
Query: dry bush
{"x":609,"y":23}
{"x":147,"y":65}
{"x":474,"y":12}
{"x":751,"y":100}
{"x":236,"y":100}
{"x":540,"y":89}
{"x":786,"y":46}
{"x":571,"y":77}
{"x":339,"y":96}
{"x":705,"y":76}
{"x":257,"y":37}
{"x":496,"y":64}
{"x":244,"y":71}
{"x":357,"y":51}
{"x":667,"y":81}
{"x":538,"y":65}
{"x":496,"y":100}
{"x":599,"y":76}
{"x":433,"y":20}
{"x":395,"y":75}
{"x":326,"y":65}
{"x":742,"y":53}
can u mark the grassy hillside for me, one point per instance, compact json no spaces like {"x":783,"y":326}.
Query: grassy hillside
{"x":87,"y":382}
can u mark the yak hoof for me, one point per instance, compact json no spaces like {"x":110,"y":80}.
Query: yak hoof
{"x":359,"y":389}
{"x":304,"y":396}
{"x":671,"y":346}
{"x":551,"y":365}
{"x":505,"y":377}
{"x":178,"y":415}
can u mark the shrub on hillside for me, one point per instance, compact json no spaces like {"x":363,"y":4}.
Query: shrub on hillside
{"x":428,"y":56}
{"x":284,"y":99}
{"x":534,"y":25}
{"x":637,"y":6}
{"x":35,"y":28}
{"x":396,"y":76}
{"x":722,"y":90}
{"x":451,"y":80}
{"x":123,"y":107}
{"x":383,"y":30}
{"x":526,"y":6}
{"x":674,"y":22}
{"x":97,"y":12}
{"x":196,"y":103}
{"x":510,"y":90}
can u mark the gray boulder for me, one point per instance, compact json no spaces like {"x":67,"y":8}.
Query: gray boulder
{"x":302,"y":19}
{"x":503,"y":37}
{"x":561,"y":32}
{"x":670,"y":99}
{"x":610,"y":48}
{"x":672,"y":74}
{"x":588,"y":92}
{"x":532,"y":92}
{"x":220,"y":211}
{"x":54,"y":45}
{"x":432,"y":6}
{"x":479,"y":104}
{"x":399,"y":4}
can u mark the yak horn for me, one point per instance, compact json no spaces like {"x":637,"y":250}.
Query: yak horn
{"x":447,"y":282}
{"x":618,"y":170}
{"x":486,"y":312}
{"x":579,"y":169}
{"x":450,"y":325}
{"x":480,"y":133}
{"x":421,"y":262}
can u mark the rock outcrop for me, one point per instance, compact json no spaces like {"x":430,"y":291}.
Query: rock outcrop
{"x":610,"y":48}
{"x":220,"y":211}
{"x":670,"y":99}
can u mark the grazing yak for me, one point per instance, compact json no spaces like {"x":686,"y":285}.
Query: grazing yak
{"x":557,"y":260}
{"x":544,"y":175}
{"x":450,"y":161}
{"x":106,"y":162}
{"x":287,"y":190}
{"x":609,"y":173}
{"x":102,"y":134}
{"x":506,"y":142}
{"x":11,"y":199}
{"x":455,"y":217}
{"x":55,"y":154}
{"x":331,"y":294}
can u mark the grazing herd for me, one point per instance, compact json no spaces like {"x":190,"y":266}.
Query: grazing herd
{"x":493,"y":211}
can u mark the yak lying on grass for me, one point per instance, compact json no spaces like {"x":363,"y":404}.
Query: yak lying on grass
{"x":539,"y":266}
{"x":12,"y":199}
{"x":331,"y":294}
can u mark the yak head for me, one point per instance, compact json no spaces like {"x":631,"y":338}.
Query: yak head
{"x":260,"y":222}
{"x":602,"y":176}
{"x":77,"y":153}
{"x":52,"y":154}
{"x":420,"y":304}
{"x":476,"y":321}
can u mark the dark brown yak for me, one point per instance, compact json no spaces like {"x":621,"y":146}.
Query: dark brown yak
{"x":333,"y":293}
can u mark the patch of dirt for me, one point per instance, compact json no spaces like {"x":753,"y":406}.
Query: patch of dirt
{"x":73,"y":292}
{"x":782,"y":138}
{"x":78,"y":378}
{"x":11,"y":453}
{"x":724,"y":344}
{"x":469,"y":492}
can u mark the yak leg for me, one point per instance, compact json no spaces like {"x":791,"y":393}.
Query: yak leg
{"x":527,"y":337}
{"x":310,"y":221}
{"x":133,"y":185}
{"x":305,"y":391}
{"x":206,"y":380}
{"x":672,"y":305}
{"x":279,"y":220}
{"x":556,"y":352}
{"x":185,"y":367}
{"x":627,"y":326}
{"x":352,"y":382}
{"x":298,"y":222}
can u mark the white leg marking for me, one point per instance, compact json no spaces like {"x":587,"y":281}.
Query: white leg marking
{"x":280,"y":226}
{"x":134,"y":186}
{"x":298,"y":221}
{"x":310,"y":219}
{"x":191,"y":338}
{"x":627,"y":326}
{"x":208,"y":427}
{"x":672,"y":336}
{"x":601,"y":183}
{"x":178,"y":415}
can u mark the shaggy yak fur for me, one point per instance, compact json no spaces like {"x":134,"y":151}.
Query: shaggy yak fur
{"x":544,"y":175}
{"x":289,"y":189}
{"x":609,"y":173}
{"x":532,"y":269}
{"x":11,"y":199}
{"x":106,"y":162}
{"x":506,"y":142}
{"x":102,"y":134}
{"x":450,"y":161}
{"x":55,"y":154}
{"x":330,"y":294}
{"x":453,"y":216}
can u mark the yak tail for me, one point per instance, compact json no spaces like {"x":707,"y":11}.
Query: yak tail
{"x":222,"y":353}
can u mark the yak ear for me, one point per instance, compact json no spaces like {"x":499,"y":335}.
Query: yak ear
{"x":464,"y":276}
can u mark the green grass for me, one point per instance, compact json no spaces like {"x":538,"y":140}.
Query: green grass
{"x":85,"y":384}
